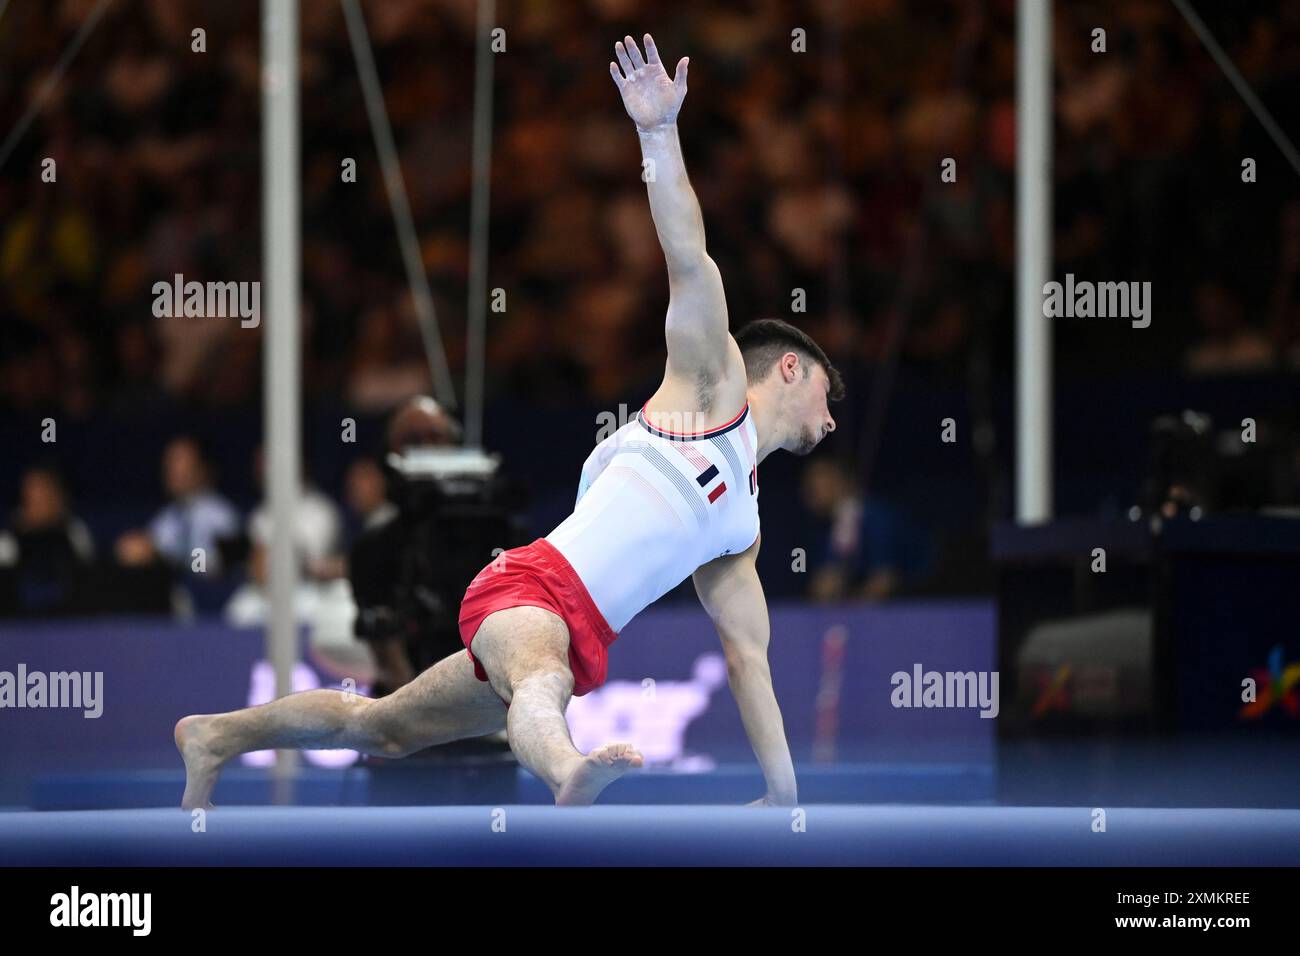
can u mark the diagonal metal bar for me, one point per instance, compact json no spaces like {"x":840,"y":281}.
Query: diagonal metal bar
{"x":373,"y":94}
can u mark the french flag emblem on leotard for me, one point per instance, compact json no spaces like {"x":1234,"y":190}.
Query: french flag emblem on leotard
{"x":706,"y":477}
{"x":708,"y":472}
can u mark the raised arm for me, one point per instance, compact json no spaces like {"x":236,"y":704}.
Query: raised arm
{"x":732,"y":594}
{"x":696,"y":325}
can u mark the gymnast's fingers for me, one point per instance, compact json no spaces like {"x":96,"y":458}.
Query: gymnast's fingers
{"x":623,"y":60}
{"x":634,"y":52}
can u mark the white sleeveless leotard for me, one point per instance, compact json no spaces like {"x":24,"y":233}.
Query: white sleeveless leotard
{"x":654,"y":505}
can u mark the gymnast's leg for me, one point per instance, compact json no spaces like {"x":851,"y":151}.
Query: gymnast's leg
{"x":445,"y":703}
{"x":524,"y":651}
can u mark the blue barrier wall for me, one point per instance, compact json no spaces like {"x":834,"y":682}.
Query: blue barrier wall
{"x":831,"y":669}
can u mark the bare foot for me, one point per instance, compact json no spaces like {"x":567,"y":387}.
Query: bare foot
{"x":597,"y":771}
{"x":195,"y":739}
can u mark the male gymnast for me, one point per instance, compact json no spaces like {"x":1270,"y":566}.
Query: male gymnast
{"x":671,"y":494}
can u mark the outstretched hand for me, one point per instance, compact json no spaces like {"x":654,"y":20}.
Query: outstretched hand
{"x":651,"y":97}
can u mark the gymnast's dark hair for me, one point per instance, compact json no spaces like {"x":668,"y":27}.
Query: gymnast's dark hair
{"x":763,"y":341}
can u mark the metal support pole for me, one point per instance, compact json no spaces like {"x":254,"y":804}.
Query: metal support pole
{"x":1033,"y":260}
{"x":481,"y":163}
{"x":281,"y":348}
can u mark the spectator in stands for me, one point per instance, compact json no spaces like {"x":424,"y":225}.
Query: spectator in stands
{"x":317,"y":537}
{"x":1229,"y":343}
{"x":191,"y":527}
{"x":317,"y":527}
{"x":366,"y":490}
{"x":46,"y":545}
{"x":871,"y":551}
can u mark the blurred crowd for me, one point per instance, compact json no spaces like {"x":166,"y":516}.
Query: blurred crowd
{"x":814,"y":133}
{"x":817,"y":170}
{"x":197,"y":552}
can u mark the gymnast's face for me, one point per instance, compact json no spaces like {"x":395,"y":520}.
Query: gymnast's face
{"x":806,"y":404}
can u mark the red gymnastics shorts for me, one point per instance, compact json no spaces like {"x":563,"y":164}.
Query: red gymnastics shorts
{"x":537,"y":575}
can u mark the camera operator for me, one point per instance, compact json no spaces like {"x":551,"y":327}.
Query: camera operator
{"x":452,"y":510}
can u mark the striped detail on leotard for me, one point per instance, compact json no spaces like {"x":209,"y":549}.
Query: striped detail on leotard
{"x":654,"y":493}
{"x":679,"y":481}
{"x":729,"y":450}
